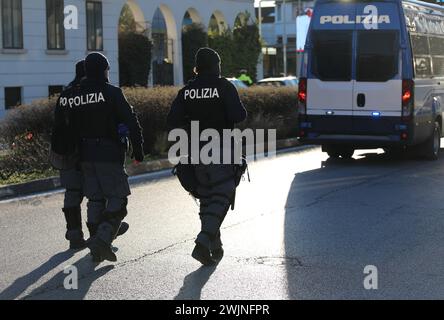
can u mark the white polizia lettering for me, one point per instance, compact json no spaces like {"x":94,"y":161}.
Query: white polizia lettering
{"x":360,"y":19}
{"x":203,"y":93}
{"x":82,"y":100}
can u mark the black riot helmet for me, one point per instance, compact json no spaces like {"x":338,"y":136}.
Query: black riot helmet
{"x":95,"y":66}
{"x":207,"y":62}
{"x":80,"y":70}
{"x":80,"y":73}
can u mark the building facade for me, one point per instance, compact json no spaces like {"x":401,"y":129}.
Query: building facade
{"x":42,"y":39}
{"x":278,"y":27}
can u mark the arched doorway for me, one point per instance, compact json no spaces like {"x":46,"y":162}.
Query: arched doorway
{"x":217,"y":24}
{"x":194,"y":36}
{"x":163,"y":56}
{"x":191,"y":16}
{"x":134,"y":47}
{"x":241,"y":20}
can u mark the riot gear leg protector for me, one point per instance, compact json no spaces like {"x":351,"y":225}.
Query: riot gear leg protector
{"x":74,"y":232}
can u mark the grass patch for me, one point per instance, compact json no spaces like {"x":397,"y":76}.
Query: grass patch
{"x":20,"y":177}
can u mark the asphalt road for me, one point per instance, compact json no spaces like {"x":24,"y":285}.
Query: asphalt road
{"x":304,"y":228}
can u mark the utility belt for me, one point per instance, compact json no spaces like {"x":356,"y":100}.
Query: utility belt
{"x":186,"y":173}
{"x":98,"y":140}
{"x":102,"y":149}
{"x":64,"y":161}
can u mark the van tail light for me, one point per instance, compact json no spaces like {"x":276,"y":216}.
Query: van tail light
{"x":407,"y":99}
{"x":302,"y":95}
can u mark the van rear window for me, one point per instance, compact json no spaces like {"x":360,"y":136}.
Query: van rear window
{"x":377,"y":55}
{"x":332,"y":55}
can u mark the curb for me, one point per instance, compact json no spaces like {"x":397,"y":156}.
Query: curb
{"x":53,"y":183}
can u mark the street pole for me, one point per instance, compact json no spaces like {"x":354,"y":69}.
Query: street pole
{"x":284,"y":37}
{"x":260,"y":69}
{"x":297,"y":53}
{"x":260,"y":18}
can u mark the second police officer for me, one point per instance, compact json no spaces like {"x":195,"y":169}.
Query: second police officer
{"x":70,"y":177}
{"x":98,"y":108}
{"x":219,"y":110}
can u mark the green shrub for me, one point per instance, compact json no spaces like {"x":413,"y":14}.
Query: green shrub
{"x":134,"y":59}
{"x":194,"y":37}
{"x":239,"y":48}
{"x":268,"y":107}
{"x":134,"y":51}
{"x":28,"y":155}
{"x":247,"y":47}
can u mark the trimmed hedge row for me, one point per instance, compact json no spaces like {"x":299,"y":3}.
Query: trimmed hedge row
{"x":268,"y":107}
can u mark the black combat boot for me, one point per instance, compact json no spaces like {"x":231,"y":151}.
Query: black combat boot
{"x":107,"y":230}
{"x":100,"y":251}
{"x":123,"y":229}
{"x":203,"y":255}
{"x":74,"y":232}
{"x":98,"y":248}
{"x":217,"y":252}
{"x":92,"y":227}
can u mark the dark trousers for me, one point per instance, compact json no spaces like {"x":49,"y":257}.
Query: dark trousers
{"x":217,"y":188}
{"x":72,"y":181}
{"x":106,"y":187}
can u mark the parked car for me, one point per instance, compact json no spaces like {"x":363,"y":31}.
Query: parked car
{"x":279,"y":82}
{"x":237,"y":83}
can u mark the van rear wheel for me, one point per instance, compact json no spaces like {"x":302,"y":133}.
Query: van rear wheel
{"x":347,"y":153}
{"x":433,"y":144}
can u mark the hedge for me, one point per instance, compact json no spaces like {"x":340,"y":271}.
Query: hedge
{"x":27,"y":129}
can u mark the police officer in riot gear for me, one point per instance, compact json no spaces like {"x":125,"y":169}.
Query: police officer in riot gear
{"x":70,"y":178}
{"x":64,"y":144}
{"x":214,"y":102}
{"x":98,"y":108}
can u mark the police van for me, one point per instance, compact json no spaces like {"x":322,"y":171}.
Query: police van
{"x":373,"y":76}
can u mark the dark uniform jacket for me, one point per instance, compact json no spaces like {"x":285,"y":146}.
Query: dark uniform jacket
{"x":63,"y":140}
{"x":97,"y":109}
{"x":211,"y":100}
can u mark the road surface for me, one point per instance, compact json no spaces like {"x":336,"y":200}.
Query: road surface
{"x":304,"y":228}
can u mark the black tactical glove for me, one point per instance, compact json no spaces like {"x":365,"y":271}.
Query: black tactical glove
{"x":138,"y":154}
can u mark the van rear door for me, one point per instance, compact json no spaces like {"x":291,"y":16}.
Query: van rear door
{"x":330,"y":81}
{"x":378,"y":80}
{"x":354,"y":71}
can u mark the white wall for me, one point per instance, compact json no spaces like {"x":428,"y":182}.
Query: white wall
{"x":34,"y":68}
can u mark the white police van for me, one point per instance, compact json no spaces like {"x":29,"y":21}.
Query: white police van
{"x":373,"y":76}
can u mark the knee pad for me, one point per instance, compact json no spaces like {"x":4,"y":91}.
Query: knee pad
{"x":117,"y":205}
{"x":114,"y":215}
{"x":110,"y":224}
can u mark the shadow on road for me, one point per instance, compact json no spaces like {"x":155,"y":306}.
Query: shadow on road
{"x":54,"y":289}
{"x":194,"y":283}
{"x":342,"y":213}
{"x":21,"y":284}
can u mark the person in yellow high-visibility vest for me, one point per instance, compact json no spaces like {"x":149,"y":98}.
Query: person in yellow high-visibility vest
{"x":245,"y":78}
